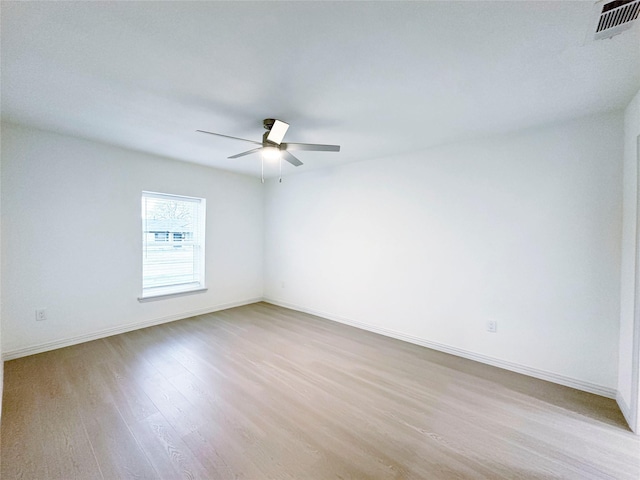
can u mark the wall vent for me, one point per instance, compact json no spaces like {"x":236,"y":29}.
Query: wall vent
{"x":614,"y":17}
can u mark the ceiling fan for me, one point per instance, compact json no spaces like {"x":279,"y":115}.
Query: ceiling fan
{"x":272,"y":147}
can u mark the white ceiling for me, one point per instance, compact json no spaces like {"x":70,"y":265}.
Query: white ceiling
{"x":377,"y":78}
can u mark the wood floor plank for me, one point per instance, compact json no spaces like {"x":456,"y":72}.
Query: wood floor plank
{"x":264,"y":392}
{"x":124,"y":388}
{"x":55,"y":427}
{"x":116,"y":450}
{"x":170,"y":456}
{"x":67,"y":449}
{"x":22,"y":449}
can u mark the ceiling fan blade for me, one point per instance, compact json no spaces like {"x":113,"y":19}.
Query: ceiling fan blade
{"x":310,"y":146}
{"x":227,"y":136}
{"x":277,"y":132}
{"x":290,"y":158}
{"x":248,"y":152}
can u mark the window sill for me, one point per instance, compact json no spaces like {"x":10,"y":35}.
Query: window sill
{"x":159,"y":295}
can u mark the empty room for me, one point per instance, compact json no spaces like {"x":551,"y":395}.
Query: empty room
{"x":317,"y":240}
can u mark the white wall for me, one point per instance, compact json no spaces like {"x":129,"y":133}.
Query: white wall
{"x":523,"y":229}
{"x":71,"y":239}
{"x":628,"y":274}
{"x":1,"y":358}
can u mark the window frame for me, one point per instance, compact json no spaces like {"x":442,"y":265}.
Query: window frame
{"x":197,"y":240}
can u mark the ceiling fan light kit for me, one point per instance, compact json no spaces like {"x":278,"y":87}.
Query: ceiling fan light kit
{"x":272,"y":148}
{"x":271,"y":153}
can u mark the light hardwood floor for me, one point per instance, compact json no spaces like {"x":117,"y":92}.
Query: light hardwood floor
{"x":264,"y":392}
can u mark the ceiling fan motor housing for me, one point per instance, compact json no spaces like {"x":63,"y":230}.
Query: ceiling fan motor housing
{"x":268,"y":123}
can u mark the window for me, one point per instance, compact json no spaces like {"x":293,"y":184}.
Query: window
{"x":172,"y":244}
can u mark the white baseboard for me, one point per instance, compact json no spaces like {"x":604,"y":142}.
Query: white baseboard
{"x":66,"y":342}
{"x":626,"y":412}
{"x":514,"y":367}
{"x":496,"y":362}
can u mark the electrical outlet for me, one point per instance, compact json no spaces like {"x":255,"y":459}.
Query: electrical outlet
{"x":41,"y":315}
{"x":492,"y":326}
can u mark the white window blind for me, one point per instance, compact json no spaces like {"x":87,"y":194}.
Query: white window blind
{"x":172,"y":244}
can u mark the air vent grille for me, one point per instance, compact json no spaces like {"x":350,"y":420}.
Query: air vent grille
{"x":616,"y":17}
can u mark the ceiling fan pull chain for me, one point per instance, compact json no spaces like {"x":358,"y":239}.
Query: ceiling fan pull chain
{"x":262,"y":166}
{"x":280,"y":181}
